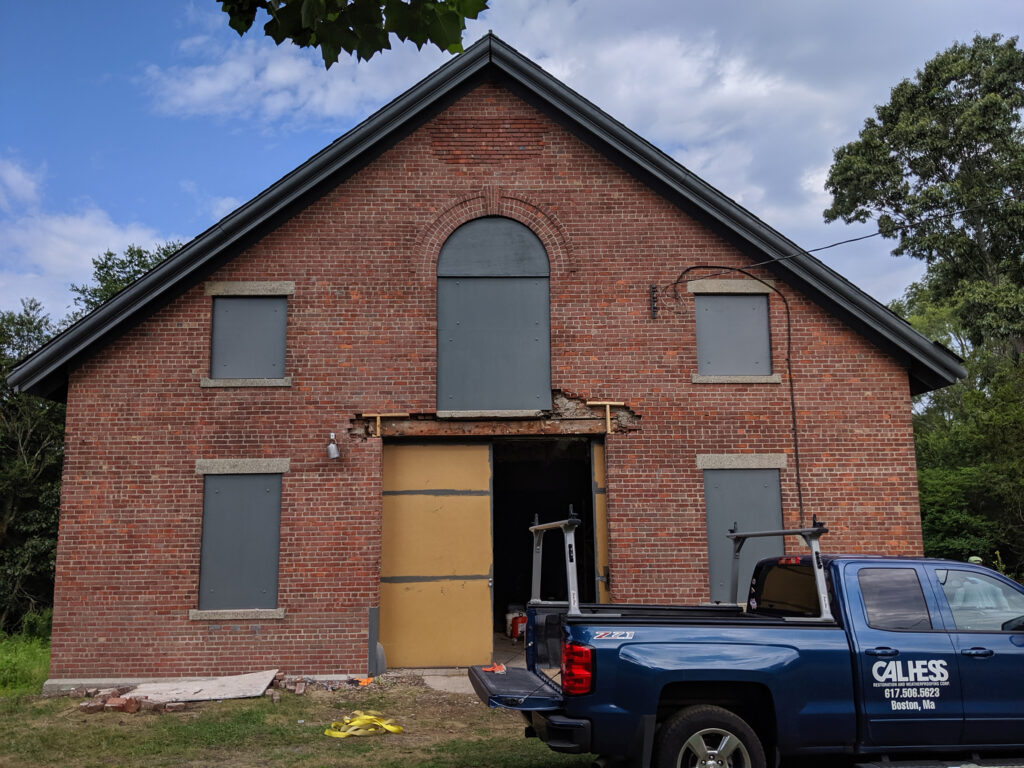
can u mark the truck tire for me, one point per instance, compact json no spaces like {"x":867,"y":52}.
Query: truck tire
{"x":706,"y":736}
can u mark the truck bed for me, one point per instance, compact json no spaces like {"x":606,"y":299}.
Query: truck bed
{"x":544,"y":630}
{"x":671,"y":614}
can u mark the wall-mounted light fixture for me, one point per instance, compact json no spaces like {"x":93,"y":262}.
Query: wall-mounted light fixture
{"x":332,"y":448}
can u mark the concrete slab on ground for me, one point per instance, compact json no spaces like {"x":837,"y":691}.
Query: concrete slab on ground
{"x":207,"y":689}
{"x":449,"y":683}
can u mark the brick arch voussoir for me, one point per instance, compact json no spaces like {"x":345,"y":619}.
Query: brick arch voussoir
{"x":492,"y":202}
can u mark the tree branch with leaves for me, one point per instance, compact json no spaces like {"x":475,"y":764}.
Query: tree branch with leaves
{"x":359,"y":27}
{"x":941,"y":169}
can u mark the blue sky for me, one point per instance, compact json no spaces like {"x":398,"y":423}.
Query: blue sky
{"x":138,"y":122}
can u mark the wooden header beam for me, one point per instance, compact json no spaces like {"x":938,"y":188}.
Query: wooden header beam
{"x":607,"y":411}
{"x":379,"y":416}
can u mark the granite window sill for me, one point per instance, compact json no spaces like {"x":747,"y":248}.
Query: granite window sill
{"x":242,"y":614}
{"x":208,"y":382}
{"x":700,"y":378}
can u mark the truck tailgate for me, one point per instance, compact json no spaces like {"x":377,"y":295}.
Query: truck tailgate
{"x":516,"y":688}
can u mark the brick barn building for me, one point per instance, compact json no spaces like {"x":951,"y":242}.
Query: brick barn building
{"x":455,"y":289}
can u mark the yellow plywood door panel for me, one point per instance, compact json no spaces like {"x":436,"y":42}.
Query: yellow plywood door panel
{"x":452,"y":535}
{"x":465,"y":467}
{"x":601,"y":558}
{"x":436,"y":623}
{"x":436,"y":555}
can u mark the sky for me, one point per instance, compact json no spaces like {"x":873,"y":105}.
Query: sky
{"x":126,"y":122}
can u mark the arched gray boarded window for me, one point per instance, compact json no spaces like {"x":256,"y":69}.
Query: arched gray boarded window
{"x":493,"y":319}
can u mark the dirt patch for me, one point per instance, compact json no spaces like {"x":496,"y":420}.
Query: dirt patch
{"x":444,"y":730}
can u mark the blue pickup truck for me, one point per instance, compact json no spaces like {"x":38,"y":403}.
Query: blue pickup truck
{"x":871,"y":657}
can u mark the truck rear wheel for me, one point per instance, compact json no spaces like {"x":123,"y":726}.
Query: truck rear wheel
{"x":707,"y":737}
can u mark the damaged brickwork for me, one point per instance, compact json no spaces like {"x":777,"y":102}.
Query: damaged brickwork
{"x":569,"y":415}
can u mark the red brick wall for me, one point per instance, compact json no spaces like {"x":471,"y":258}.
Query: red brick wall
{"x":361,"y":337}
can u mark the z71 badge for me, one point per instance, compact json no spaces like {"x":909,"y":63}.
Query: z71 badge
{"x":613,"y":635}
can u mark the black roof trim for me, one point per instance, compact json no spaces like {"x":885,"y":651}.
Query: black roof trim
{"x":45,"y":372}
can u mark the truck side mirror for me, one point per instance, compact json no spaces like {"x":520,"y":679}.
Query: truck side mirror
{"x":1014,"y":625}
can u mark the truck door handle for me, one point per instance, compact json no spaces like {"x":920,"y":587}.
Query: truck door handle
{"x":979,"y":653}
{"x":885,"y":653}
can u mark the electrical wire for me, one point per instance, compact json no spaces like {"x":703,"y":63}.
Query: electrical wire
{"x":723,"y":270}
{"x":876,"y":233}
{"x":789,"y":365}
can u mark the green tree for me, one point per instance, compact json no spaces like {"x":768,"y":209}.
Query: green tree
{"x":112,"y":273}
{"x":32,"y":439}
{"x":941,"y":169}
{"x":969,"y":439}
{"x":360,"y":27}
{"x":31,"y":455}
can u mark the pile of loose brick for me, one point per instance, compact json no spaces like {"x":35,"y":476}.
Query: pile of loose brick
{"x":299,"y":685}
{"x":114,"y":700}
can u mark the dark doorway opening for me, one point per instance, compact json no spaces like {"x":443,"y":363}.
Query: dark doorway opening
{"x":540,"y":479}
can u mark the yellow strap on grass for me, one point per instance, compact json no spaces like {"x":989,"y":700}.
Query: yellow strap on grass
{"x":361,"y":723}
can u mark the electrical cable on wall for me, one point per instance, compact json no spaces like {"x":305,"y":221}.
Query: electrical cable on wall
{"x":876,"y":233}
{"x":674,"y":286}
{"x":723,"y":270}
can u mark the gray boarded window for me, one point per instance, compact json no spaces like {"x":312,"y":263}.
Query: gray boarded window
{"x":241,"y":539}
{"x":248,"y":337}
{"x":732,"y":335}
{"x":493,"y":319}
{"x":751,"y":500}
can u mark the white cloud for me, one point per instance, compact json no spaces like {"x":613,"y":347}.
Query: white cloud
{"x":203,"y":16}
{"x":43,"y":253}
{"x":252,"y":78}
{"x":210,"y":207}
{"x":18,"y":185}
{"x":870,"y":266}
{"x":802,"y":210}
{"x":813,"y":183}
{"x":222,"y":206}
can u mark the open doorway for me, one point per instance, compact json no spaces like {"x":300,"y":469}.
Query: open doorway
{"x":539,"y":478}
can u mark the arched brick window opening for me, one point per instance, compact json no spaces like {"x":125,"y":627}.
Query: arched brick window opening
{"x":493,"y":320}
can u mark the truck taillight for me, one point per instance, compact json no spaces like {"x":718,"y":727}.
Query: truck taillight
{"x":577,"y":669}
{"x":789,"y":560}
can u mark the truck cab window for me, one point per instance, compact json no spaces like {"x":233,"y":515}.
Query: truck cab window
{"x":981,"y":603}
{"x":785,"y":590}
{"x":893,"y":599}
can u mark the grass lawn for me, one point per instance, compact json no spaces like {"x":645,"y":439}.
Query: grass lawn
{"x":441,"y":729}
{"x":24,"y":663}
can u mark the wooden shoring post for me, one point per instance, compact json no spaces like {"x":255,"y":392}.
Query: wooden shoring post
{"x":607,"y":411}
{"x":378,"y":416}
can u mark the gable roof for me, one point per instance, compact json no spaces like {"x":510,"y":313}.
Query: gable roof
{"x":930,"y":365}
